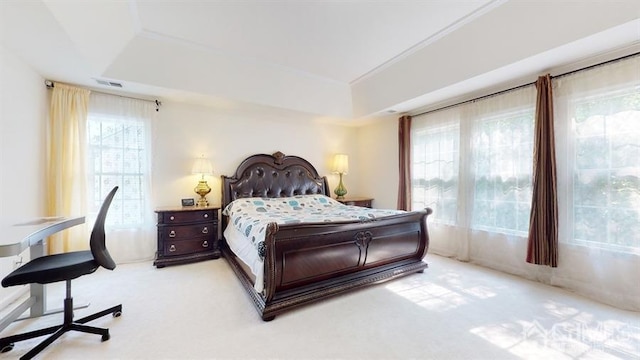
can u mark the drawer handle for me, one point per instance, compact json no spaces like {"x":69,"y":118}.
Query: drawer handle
{"x":205,"y":230}
{"x":205,"y":244}
{"x":172,"y":248}
{"x":206,"y":216}
{"x":172,"y":233}
{"x":172,"y":218}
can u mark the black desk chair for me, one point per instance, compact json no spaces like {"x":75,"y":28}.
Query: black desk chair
{"x":59,"y":267}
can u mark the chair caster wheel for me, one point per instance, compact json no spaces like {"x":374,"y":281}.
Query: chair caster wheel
{"x":106,"y":337}
{"x":7,"y":348}
{"x":117,"y":313}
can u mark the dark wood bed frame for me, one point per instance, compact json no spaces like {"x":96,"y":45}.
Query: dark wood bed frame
{"x":305,"y":263}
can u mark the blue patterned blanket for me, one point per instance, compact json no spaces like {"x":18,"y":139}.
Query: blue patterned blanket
{"x":252,"y":215}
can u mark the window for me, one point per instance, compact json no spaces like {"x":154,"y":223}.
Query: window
{"x":484,"y":217}
{"x":117,"y":156}
{"x":502,"y":150}
{"x":435,"y":170}
{"x":476,"y":157}
{"x":472,"y":164}
{"x":118,"y":153}
{"x":603,"y":157}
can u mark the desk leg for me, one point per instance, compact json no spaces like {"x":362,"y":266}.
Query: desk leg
{"x":15,"y":313}
{"x":38,"y":291}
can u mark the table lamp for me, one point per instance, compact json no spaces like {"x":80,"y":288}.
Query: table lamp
{"x":202,"y":166}
{"x":340,"y":166}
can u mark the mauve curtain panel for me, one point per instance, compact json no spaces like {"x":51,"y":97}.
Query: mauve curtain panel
{"x":542,"y":248}
{"x":404,"y":151}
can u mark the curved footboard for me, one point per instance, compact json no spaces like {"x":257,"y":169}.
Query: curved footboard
{"x":308,"y":262}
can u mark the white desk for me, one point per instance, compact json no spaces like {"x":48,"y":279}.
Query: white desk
{"x":16,"y":237}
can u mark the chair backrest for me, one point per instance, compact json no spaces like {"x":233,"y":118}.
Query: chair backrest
{"x":97,"y":241}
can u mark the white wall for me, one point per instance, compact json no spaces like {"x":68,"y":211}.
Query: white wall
{"x":227,"y":136}
{"x":23,"y":107}
{"x":378,"y":155}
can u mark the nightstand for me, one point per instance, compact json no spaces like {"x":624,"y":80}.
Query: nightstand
{"x":357,"y":201}
{"x":187,"y":234}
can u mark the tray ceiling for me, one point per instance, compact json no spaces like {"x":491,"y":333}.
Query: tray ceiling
{"x":333,"y":59}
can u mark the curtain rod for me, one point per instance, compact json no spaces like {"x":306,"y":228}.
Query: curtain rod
{"x":50,"y":85}
{"x":532,"y":83}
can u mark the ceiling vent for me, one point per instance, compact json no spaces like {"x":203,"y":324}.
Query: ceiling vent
{"x":108,"y":83}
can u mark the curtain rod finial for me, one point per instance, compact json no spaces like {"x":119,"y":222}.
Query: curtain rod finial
{"x":49,"y":84}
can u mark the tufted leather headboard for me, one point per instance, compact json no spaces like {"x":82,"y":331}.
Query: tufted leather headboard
{"x":273,"y":176}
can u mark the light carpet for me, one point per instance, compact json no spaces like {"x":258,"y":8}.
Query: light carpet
{"x":453,"y":310}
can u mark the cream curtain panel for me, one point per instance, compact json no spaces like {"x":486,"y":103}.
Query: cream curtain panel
{"x":119,"y":152}
{"x":597,"y":127}
{"x":471,"y":163}
{"x":65,"y":164}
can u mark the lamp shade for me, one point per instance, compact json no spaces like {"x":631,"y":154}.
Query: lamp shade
{"x":202,"y":166}
{"x":341,"y":164}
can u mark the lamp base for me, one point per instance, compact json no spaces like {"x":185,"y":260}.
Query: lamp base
{"x":202,"y":202}
{"x":340,"y":190}
{"x":202,"y":189}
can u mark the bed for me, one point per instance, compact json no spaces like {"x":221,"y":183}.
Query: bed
{"x":285,"y":264}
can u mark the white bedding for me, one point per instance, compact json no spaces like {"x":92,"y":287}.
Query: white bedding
{"x":246,"y":251}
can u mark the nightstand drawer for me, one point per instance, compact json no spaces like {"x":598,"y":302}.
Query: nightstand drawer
{"x":187,"y":246}
{"x":171,"y":233}
{"x":185,"y":217}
